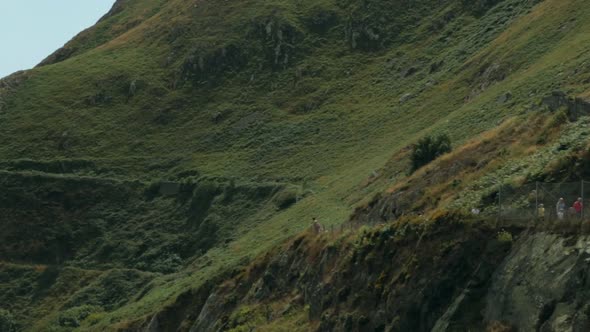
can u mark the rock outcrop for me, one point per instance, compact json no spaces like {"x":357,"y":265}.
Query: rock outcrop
{"x":575,"y":107}
{"x":393,"y":279}
{"x":543,"y":285}
{"x":450,"y":277}
{"x":9,"y":84}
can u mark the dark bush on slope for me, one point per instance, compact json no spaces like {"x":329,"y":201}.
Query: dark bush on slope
{"x":7,"y":321}
{"x":428,"y":149}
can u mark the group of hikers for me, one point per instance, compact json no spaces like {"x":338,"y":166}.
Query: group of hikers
{"x":562,"y":211}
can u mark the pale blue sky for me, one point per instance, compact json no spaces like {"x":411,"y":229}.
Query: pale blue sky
{"x":30,"y":30}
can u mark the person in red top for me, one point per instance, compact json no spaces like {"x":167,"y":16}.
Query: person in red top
{"x":579,"y":206}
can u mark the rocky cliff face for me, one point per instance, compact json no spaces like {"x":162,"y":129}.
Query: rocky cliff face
{"x":543,"y":285}
{"x":400,"y":278}
{"x":448,"y":277}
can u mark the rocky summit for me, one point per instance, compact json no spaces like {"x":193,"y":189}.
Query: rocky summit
{"x":309,"y":165}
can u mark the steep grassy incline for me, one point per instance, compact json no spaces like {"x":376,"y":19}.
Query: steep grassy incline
{"x":174,"y":141}
{"x":273,"y":92}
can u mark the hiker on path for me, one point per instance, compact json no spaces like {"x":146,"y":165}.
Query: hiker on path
{"x":579,"y":207}
{"x":560,"y":208}
{"x":316,"y":226}
{"x":541,"y":212}
{"x":532,"y":198}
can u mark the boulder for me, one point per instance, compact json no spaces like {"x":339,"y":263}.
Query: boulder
{"x":575,"y":107}
{"x":504,"y":98}
{"x":403,"y":99}
{"x":409,"y":71}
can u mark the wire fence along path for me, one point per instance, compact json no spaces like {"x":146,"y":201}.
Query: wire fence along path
{"x":544,"y":201}
{"x":522,"y":206}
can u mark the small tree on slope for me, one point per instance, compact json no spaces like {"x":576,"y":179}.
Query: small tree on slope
{"x":428,"y":149}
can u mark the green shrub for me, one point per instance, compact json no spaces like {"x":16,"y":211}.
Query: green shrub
{"x":113,"y":289}
{"x":7,"y":322}
{"x":559,"y":118}
{"x":504,"y":236}
{"x":428,"y":149}
{"x":73,"y":317}
{"x":285,"y":198}
{"x":169,"y":263}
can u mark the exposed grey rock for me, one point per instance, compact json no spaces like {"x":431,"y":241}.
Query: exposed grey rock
{"x":362,"y":37}
{"x":555,"y":100}
{"x":486,"y":77}
{"x":405,"y":98}
{"x":207,"y":318}
{"x":60,"y":55}
{"x":430,"y":83}
{"x":154,"y":325}
{"x":442,"y":324}
{"x":283,"y":38}
{"x":505,"y":97}
{"x":204,"y":64}
{"x":575,"y":107}
{"x":542,"y":285}
{"x":409,"y":71}
{"x":9,"y":84}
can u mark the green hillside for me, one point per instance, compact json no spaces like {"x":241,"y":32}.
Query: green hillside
{"x":162,"y":150}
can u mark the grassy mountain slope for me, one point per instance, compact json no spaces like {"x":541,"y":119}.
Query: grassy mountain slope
{"x":180,"y":139}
